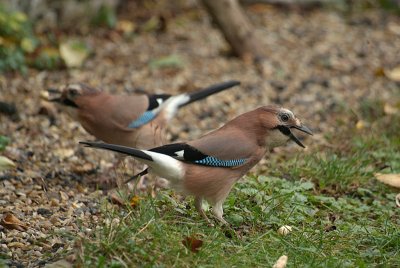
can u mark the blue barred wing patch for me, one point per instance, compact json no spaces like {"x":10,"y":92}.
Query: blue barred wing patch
{"x":215,"y":162}
{"x":143,"y":119}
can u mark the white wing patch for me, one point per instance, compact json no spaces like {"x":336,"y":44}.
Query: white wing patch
{"x":165,"y":166}
{"x":180,"y":154}
{"x":172,"y":104}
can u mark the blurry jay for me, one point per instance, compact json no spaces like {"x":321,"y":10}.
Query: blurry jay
{"x":137,"y":120}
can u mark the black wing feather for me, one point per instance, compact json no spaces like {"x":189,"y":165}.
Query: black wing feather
{"x":153,"y":103}
{"x":190,"y":153}
{"x":187,"y":153}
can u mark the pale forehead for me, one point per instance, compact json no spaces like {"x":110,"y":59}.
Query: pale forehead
{"x":74,"y":87}
{"x":286,"y":111}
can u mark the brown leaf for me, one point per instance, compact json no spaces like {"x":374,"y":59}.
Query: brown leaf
{"x":9,"y":221}
{"x":114,"y":199}
{"x":389,"y":179}
{"x":330,"y":228}
{"x":83,"y":169}
{"x":134,"y":202}
{"x":81,"y":189}
{"x":379,"y":72}
{"x":192,"y":243}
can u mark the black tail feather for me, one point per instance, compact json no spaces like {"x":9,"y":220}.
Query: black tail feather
{"x":205,"y":92}
{"x":118,"y":148}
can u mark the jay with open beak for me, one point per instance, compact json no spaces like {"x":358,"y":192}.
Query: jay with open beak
{"x":208,"y":167}
{"x":137,"y":120}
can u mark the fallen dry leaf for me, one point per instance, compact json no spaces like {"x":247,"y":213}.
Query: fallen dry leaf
{"x":389,"y":179}
{"x":114,"y":199}
{"x":398,"y":200}
{"x":83,"y":169}
{"x":134,"y":202}
{"x":5,"y":163}
{"x":9,"y":221}
{"x":394,"y":74}
{"x":125,"y":26}
{"x":360,"y":124}
{"x":192,"y":243}
{"x":73,"y":53}
{"x":379,"y":72}
{"x":281,"y":262}
{"x":16,"y":245}
{"x":390,"y":109}
{"x":284,"y":230}
{"x":64,"y":153}
{"x":81,"y":189}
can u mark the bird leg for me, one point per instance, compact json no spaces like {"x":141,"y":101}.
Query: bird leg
{"x":198,"y":201}
{"x":218,"y":212}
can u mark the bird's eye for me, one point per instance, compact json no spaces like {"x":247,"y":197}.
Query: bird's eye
{"x":284,"y":117}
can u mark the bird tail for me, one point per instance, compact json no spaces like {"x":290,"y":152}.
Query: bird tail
{"x":205,"y":92}
{"x":119,"y":148}
{"x":174,"y":103}
{"x":161,"y":164}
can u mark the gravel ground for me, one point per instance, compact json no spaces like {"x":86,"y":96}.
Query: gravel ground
{"x":318,"y":61}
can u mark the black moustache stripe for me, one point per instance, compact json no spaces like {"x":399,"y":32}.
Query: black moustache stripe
{"x":284,"y":130}
{"x":69,"y":103}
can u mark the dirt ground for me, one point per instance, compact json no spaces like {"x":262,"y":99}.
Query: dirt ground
{"x":319,"y":61}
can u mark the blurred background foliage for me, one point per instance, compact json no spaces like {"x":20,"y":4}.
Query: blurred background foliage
{"x":37,"y":34}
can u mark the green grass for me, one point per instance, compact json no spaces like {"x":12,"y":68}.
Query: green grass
{"x":341,"y":216}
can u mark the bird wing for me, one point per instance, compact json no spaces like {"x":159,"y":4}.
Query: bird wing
{"x":212,"y":150}
{"x":120,"y":110}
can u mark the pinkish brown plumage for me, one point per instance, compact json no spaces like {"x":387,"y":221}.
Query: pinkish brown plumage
{"x":208,"y":167}
{"x":137,"y":120}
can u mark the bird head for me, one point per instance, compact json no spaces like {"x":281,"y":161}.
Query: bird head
{"x":281,"y":122}
{"x":68,"y":94}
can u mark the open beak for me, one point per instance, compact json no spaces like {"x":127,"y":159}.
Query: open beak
{"x":55,"y":95}
{"x":302,"y":128}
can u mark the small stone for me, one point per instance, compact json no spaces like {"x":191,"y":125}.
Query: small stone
{"x":54,"y":220}
{"x":47,"y":225}
{"x":37,"y":253}
{"x":54,"y":202}
{"x":64,"y":196}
